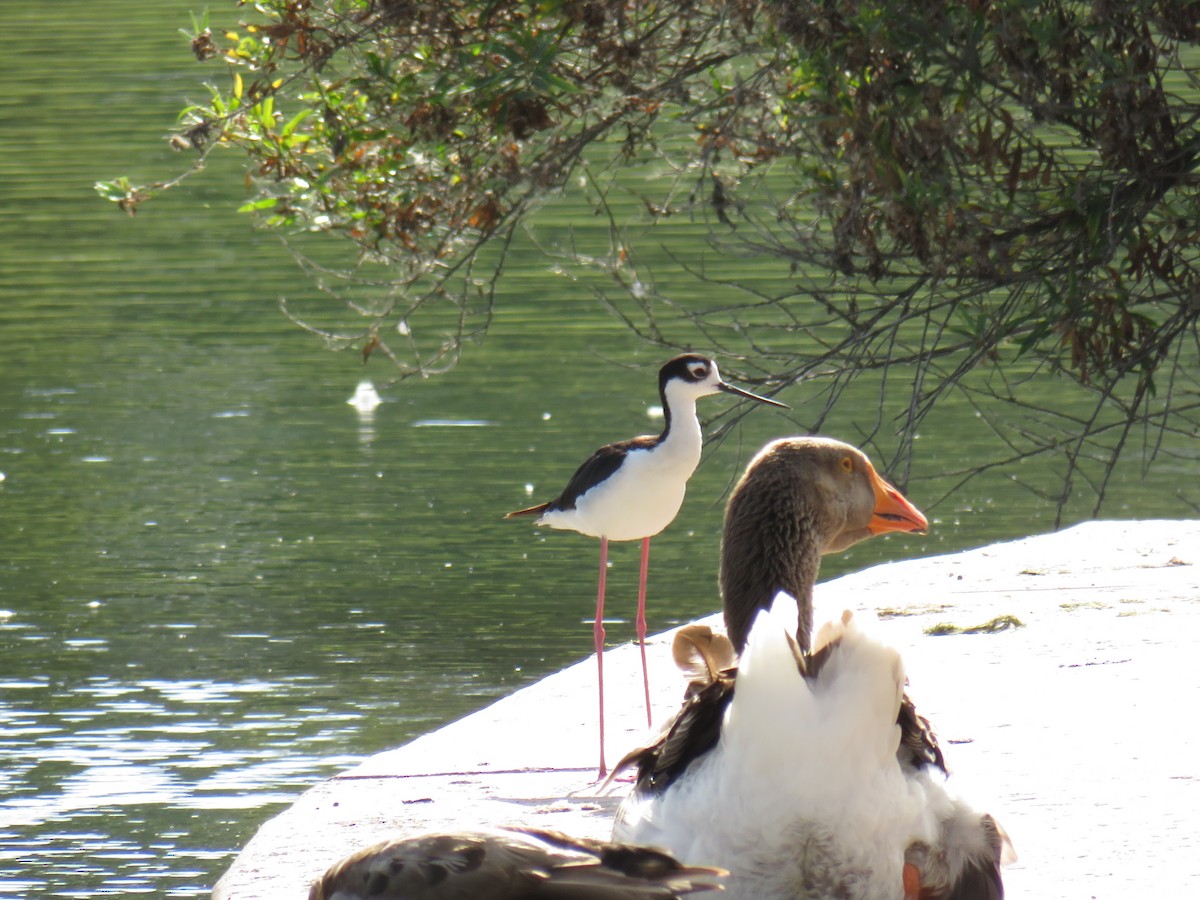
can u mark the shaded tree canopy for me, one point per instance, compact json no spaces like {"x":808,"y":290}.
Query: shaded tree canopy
{"x":955,"y":187}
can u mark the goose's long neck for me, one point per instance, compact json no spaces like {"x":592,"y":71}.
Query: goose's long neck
{"x":769,"y":545}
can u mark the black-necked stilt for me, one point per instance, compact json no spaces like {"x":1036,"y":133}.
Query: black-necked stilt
{"x":514,"y":864}
{"x":808,"y":772}
{"x":632,"y":490}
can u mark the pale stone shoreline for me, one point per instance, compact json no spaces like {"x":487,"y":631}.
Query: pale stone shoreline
{"x":1077,"y":730}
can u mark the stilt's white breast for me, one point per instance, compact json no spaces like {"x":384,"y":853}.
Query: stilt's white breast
{"x":644,"y":495}
{"x":639,"y":500}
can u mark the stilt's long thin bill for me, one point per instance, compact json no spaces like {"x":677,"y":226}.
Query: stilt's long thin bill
{"x":739,"y":392}
{"x":641,"y":622}
{"x":598,"y":635}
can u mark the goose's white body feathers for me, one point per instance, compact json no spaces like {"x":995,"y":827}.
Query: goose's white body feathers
{"x":803,"y":795}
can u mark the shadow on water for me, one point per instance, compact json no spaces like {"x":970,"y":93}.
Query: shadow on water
{"x":219,"y":582}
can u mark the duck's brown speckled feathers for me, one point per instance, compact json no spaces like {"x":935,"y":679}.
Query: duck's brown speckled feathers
{"x":516,"y":864}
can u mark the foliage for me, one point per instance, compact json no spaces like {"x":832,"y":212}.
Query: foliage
{"x":952,"y":186}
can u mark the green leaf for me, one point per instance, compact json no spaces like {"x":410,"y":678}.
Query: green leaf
{"x":115,"y":190}
{"x":256,"y":205}
{"x":295,"y":121}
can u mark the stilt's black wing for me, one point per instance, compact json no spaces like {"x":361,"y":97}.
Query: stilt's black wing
{"x":597,"y":468}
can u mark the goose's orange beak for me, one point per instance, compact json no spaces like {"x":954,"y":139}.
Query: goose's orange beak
{"x":892,"y":510}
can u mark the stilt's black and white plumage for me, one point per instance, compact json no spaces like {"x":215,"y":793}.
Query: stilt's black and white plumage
{"x":514,"y":864}
{"x":806,"y":771}
{"x":632,"y":490}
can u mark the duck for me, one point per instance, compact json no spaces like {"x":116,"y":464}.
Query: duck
{"x":631,"y":490}
{"x":510,"y":864}
{"x":799,"y":762}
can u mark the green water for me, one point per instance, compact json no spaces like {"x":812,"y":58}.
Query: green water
{"x":219,"y":584}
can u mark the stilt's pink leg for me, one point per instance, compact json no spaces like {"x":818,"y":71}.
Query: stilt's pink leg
{"x":598,"y":634}
{"x":641,"y":621}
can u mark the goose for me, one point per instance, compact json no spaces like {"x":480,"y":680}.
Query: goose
{"x":631,"y":490}
{"x":806,"y":770}
{"x":513,"y":864}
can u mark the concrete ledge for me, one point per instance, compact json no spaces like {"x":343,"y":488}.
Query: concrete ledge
{"x":1077,"y":730}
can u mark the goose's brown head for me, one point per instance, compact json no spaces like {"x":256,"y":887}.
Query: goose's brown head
{"x":799,"y":498}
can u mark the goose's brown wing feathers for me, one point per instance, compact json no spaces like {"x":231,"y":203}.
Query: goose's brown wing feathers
{"x":706,"y":657}
{"x":693,"y":731}
{"x":918,"y":743}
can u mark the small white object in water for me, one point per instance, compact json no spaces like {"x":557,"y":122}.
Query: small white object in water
{"x":365,"y":398}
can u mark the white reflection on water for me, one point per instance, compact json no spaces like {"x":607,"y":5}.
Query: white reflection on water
{"x":366,"y":399}
{"x":72,"y":763}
